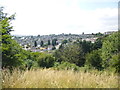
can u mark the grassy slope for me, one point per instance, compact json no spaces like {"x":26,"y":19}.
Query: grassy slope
{"x":47,"y":78}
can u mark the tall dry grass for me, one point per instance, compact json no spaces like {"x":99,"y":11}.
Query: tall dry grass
{"x":47,"y":78}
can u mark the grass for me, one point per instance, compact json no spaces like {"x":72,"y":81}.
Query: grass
{"x":48,"y":78}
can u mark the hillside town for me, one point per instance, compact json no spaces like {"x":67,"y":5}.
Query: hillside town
{"x":41,"y":43}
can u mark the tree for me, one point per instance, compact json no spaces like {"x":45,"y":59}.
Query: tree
{"x":46,"y":60}
{"x":35,"y":43}
{"x":61,"y":46}
{"x":70,"y":53}
{"x":115,"y":62}
{"x":65,"y":66}
{"x":87,"y":46}
{"x":98,"y":34}
{"x":38,"y":36}
{"x":98,"y":43}
{"x":49,"y":42}
{"x":11,"y":56}
{"x":54,"y":42}
{"x":93,"y":59}
{"x":110,"y":48}
{"x":64,"y":41}
{"x":41,"y":43}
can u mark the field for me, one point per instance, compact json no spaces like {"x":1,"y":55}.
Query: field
{"x":48,"y":78}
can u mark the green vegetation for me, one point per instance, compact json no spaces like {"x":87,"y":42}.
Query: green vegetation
{"x":64,"y":41}
{"x":94,"y":60}
{"x":11,"y":51}
{"x":46,"y":60}
{"x":35,"y":43}
{"x":54,"y":42}
{"x":41,"y":43}
{"x":49,"y":42}
{"x":70,"y":53}
{"x":102,"y":55}
{"x":65,"y":66}
{"x":110,"y":48}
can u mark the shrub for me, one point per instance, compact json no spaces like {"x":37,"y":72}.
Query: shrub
{"x":93,"y":60}
{"x":109,"y":48}
{"x":71,"y":53}
{"x":46,"y":60}
{"x":115,"y":63}
{"x":65,"y":66}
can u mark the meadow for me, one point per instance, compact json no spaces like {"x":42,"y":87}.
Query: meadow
{"x":49,"y":78}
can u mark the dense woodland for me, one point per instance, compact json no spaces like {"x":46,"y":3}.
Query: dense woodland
{"x":101,"y":55}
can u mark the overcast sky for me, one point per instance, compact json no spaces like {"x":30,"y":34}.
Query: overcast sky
{"x":44,"y":17}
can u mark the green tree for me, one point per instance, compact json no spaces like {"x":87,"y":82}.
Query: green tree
{"x":65,"y":66}
{"x":31,"y":59}
{"x":49,"y":42}
{"x":64,"y":41}
{"x":110,"y":48}
{"x":98,"y":43}
{"x":70,"y":53}
{"x":46,"y":60}
{"x":41,"y":43}
{"x":87,"y":46}
{"x":11,"y":56}
{"x":54,"y":42}
{"x":93,"y":59}
{"x":35,"y":43}
{"x":98,"y":34}
{"x":115,"y":62}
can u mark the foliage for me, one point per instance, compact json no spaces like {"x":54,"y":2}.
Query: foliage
{"x":64,"y":41}
{"x":35,"y":43}
{"x":31,"y":64}
{"x":49,"y":42}
{"x":98,"y":43}
{"x":87,"y":46}
{"x":41,"y":43}
{"x":70,"y":53}
{"x":31,"y":59}
{"x":54,"y":42}
{"x":11,"y":55}
{"x":46,"y":60}
{"x":61,"y":46}
{"x":98,"y":34}
{"x":115,"y":62}
{"x":93,"y":59}
{"x":65,"y":66}
{"x":109,"y":48}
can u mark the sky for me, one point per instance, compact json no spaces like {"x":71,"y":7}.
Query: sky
{"x":43,"y":17}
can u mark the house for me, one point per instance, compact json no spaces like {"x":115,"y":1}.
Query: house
{"x":90,"y":39}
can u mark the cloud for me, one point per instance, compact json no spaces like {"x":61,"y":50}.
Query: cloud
{"x":59,"y":16}
{"x":98,"y":1}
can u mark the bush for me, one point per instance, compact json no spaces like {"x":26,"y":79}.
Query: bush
{"x":46,"y":60}
{"x":31,"y":64}
{"x":71,"y":53}
{"x":93,"y":60}
{"x":115,"y":63}
{"x":65,"y":66}
{"x":109,"y":48}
